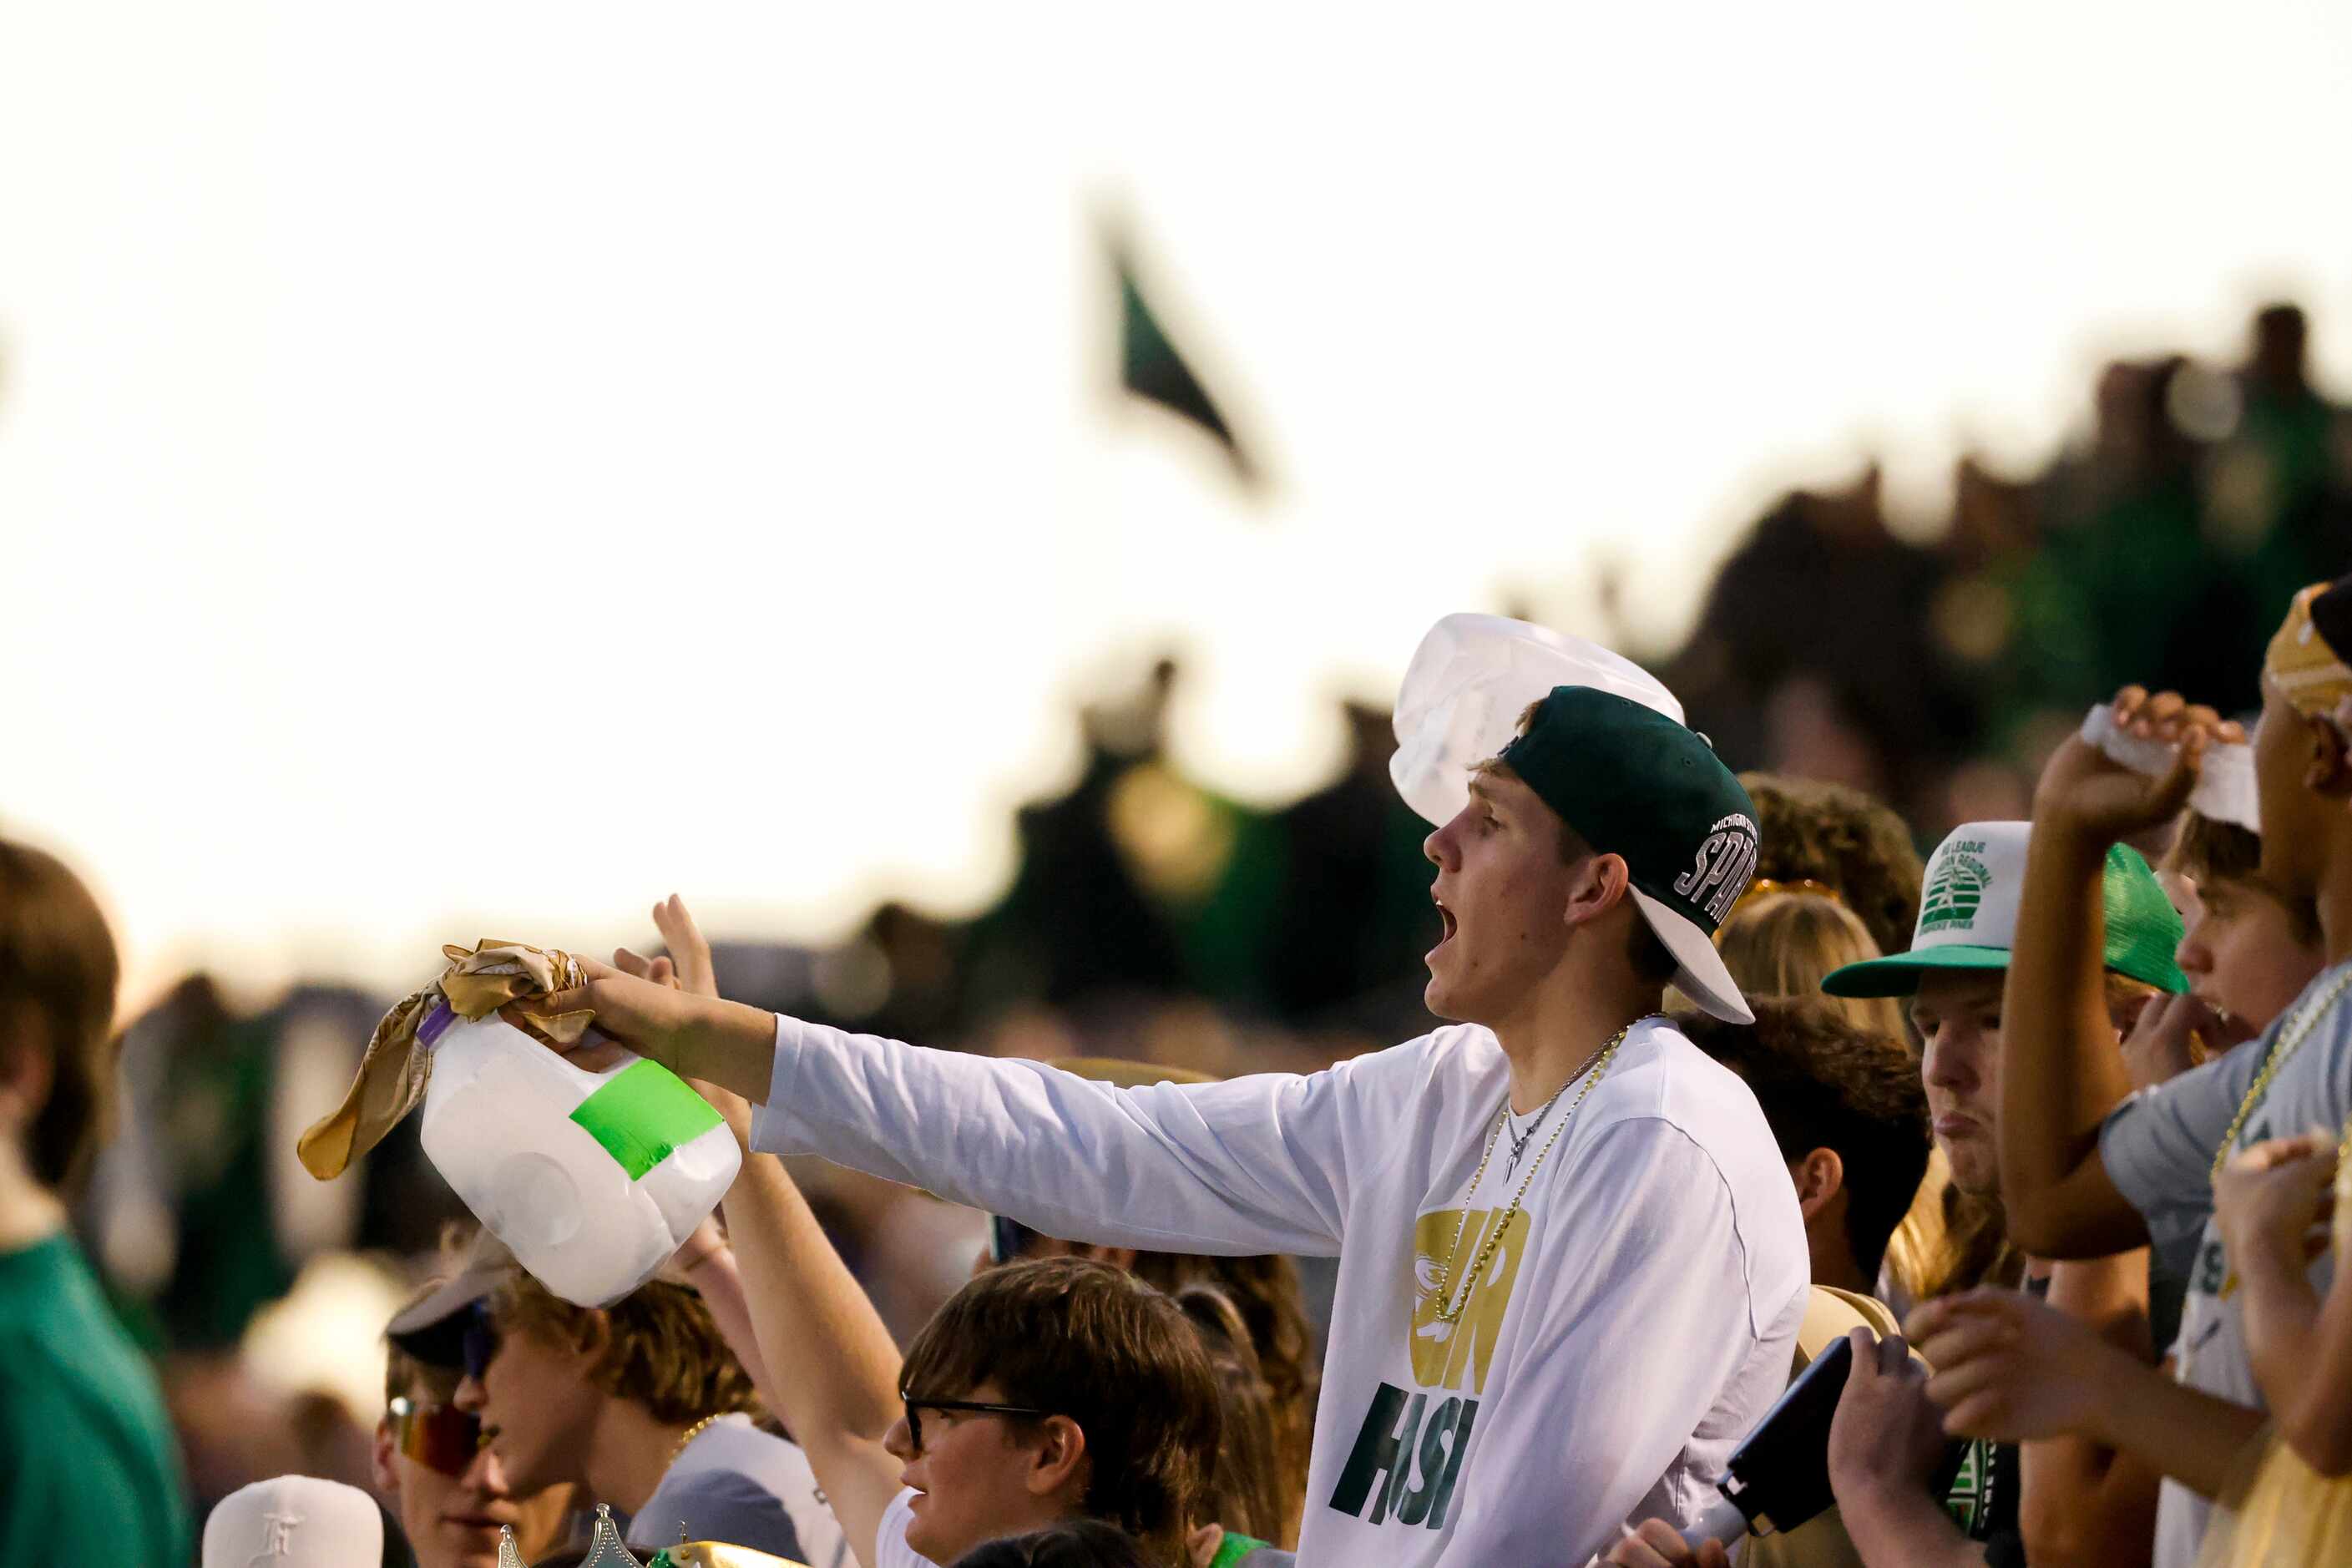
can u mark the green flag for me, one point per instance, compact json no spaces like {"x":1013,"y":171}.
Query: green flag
{"x":1150,"y":365}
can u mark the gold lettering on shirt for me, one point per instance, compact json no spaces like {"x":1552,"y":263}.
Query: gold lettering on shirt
{"x":1443,"y":1355}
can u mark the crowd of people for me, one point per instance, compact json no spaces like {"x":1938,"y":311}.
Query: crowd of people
{"x":2035,"y":1137}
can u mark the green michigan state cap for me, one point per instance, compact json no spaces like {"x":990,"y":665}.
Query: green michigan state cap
{"x":1635,"y":784}
{"x":1968,"y":916}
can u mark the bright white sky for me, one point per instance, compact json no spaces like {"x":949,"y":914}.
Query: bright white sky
{"x":472,"y":470}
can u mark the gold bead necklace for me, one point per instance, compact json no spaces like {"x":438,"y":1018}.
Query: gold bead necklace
{"x":691,"y":1434}
{"x":1596,"y":1067}
{"x":2292,"y":1037}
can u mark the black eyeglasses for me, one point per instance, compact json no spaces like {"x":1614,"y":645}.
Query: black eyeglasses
{"x":1008,"y":1239}
{"x":915,"y":1408}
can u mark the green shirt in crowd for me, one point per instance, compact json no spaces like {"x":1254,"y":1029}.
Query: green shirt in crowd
{"x":86,"y":1453}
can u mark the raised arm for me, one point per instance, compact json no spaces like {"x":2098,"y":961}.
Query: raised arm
{"x":824,"y":1361}
{"x":837,"y":1365}
{"x":2061,"y":1073}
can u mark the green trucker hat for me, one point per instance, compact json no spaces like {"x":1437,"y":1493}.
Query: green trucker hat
{"x":1968,"y":916}
{"x":1635,"y":784}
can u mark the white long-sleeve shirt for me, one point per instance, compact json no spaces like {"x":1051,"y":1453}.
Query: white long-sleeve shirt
{"x":1635,"y":1322}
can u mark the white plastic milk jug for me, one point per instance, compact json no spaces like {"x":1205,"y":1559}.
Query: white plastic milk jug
{"x":594,"y":1179}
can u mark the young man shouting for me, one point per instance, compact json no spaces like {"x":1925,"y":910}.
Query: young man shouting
{"x":1571,"y":1265}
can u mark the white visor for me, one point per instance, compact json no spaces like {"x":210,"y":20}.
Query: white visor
{"x":1700,"y":975}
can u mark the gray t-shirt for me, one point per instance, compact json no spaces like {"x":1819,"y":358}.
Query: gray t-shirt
{"x":2158,"y":1147}
{"x":738,"y":1484}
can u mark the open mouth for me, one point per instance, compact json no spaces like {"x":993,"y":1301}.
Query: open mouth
{"x":1446,"y":922}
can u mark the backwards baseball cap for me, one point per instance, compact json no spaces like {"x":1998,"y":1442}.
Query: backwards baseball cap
{"x":1968,"y":916}
{"x":1635,"y":783}
{"x":294,"y":1521}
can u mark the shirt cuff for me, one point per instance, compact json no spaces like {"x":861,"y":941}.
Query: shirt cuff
{"x":771,"y":1123}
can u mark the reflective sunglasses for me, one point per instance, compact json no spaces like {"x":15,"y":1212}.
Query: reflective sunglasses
{"x":915,"y":1408}
{"x":438,"y":1437}
{"x":1009,"y":1239}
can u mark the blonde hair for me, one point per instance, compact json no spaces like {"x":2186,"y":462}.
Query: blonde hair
{"x":1786,"y":944}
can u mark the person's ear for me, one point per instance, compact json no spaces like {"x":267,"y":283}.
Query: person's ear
{"x":1061,"y":1457}
{"x":2329,"y":770}
{"x":387,"y":1478}
{"x":1820,"y":1177}
{"x":1600,"y":883}
{"x":1121,"y":1258}
{"x":593,"y":1337}
{"x":27,"y":1076}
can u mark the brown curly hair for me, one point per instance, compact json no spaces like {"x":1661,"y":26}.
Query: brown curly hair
{"x":1846,"y":840}
{"x":662,"y":1349}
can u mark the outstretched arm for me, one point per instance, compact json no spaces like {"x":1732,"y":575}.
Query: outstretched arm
{"x":1255,"y":1166}
{"x":2061,"y":1071}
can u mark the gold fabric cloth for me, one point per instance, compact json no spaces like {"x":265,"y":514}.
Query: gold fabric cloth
{"x":2306,"y":670}
{"x":393,"y":1075}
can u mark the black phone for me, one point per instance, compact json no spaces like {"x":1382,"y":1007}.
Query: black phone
{"x":1778,"y":1477}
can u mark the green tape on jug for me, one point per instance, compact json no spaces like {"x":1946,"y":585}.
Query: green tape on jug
{"x":642,"y":1113}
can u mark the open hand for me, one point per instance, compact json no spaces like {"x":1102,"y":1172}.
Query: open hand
{"x":688,"y":966}
{"x":2009,"y":1367}
{"x":2269,"y":1196}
